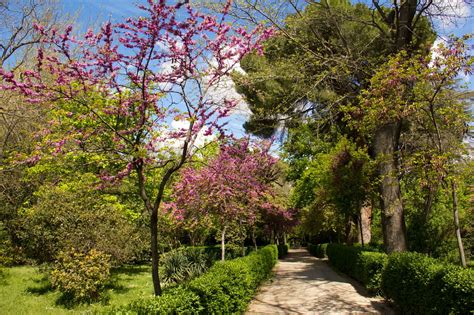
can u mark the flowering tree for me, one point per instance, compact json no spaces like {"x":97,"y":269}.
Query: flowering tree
{"x":229,"y":189}
{"x":120,"y":88}
{"x":424,"y":93}
{"x":276,"y":219}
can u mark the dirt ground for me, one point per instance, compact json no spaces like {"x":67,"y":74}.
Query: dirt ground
{"x":304,"y":284}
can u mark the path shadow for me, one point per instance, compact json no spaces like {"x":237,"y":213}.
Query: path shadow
{"x":314,"y":279}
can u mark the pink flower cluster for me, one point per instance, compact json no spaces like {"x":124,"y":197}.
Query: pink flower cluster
{"x":148,"y":69}
{"x":234,"y":186}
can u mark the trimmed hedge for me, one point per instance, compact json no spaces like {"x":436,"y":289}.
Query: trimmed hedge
{"x":177,"y":300}
{"x":214,"y":252}
{"x":227,"y":287}
{"x":419,"y":284}
{"x":361,"y":263}
{"x":283,"y":250}
{"x":318,"y":250}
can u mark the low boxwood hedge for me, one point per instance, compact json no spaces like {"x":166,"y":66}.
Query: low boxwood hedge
{"x":361,"y":263}
{"x":226,"y":288}
{"x":318,"y":250}
{"x":419,"y":284}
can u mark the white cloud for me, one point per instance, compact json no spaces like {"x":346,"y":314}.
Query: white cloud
{"x":176,"y":145}
{"x":450,"y":12}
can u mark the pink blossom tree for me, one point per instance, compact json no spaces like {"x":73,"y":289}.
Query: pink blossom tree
{"x":229,"y":188}
{"x":125,"y":84}
{"x":276,"y":219}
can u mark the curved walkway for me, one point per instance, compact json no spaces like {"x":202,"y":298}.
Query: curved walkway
{"x":304,"y":284}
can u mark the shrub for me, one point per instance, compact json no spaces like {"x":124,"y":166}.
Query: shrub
{"x":369,"y":269}
{"x":81,"y":277}
{"x":226,"y":288}
{"x":177,"y":300}
{"x":229,"y":286}
{"x":318,"y":250}
{"x":283,"y":250}
{"x":419,"y":284}
{"x":361,"y":263}
{"x":74,"y":215}
{"x":183,"y":264}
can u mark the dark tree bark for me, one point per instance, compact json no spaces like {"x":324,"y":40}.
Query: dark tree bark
{"x":401,"y":21}
{"x":254,"y":238}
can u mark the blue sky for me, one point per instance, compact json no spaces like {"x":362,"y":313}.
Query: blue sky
{"x":94,"y":12}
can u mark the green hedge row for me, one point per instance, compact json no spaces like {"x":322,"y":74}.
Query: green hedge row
{"x":283,"y":250}
{"x":318,"y":250}
{"x":214,"y":252}
{"x":362,"y":263}
{"x":416,"y":283}
{"x":419,"y":284}
{"x":226,"y":288}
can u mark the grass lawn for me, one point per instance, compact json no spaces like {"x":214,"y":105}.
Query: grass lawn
{"x":24,"y":290}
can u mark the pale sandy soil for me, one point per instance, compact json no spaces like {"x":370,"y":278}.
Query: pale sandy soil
{"x":304,"y":284}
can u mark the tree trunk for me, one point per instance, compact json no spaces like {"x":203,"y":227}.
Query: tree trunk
{"x":393,"y":222}
{"x":284,"y":238}
{"x":254,"y":239}
{"x":456,"y":224}
{"x":155,"y":257}
{"x":223,"y":243}
{"x":429,"y":203}
{"x":365,"y":222}
{"x":361,"y":231}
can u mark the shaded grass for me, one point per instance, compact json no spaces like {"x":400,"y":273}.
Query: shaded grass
{"x":24,"y":290}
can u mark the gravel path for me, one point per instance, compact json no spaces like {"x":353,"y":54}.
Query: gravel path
{"x":304,"y":284}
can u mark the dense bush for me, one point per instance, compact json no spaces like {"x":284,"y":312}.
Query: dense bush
{"x":181,"y":265}
{"x":229,"y":286}
{"x":185,"y":263}
{"x":283,"y":250}
{"x":214,"y":252}
{"x":318,"y":250}
{"x":81,"y":276}
{"x":361,"y":263}
{"x":177,"y":300}
{"x":226,"y":288}
{"x":422,"y":285}
{"x":72,"y":215}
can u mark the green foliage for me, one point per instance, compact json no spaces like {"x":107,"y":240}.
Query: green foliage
{"x":72,"y":214}
{"x":178,"y":300}
{"x":332,"y":186}
{"x":226,"y":288}
{"x":318,"y":250}
{"x":422,"y":285}
{"x":315,"y":64}
{"x":229,"y":286}
{"x":26,"y":290}
{"x":362,"y":263}
{"x":81,"y":277}
{"x":184,"y":264}
{"x":283,"y":250}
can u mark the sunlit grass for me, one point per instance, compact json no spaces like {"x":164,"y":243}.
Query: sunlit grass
{"x":24,"y":290}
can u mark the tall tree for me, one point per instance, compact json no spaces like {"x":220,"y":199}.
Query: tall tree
{"x":334,"y":48}
{"x":122,"y":86}
{"x":230,"y":188}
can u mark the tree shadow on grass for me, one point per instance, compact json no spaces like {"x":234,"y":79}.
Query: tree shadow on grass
{"x":69,"y":302}
{"x":124,"y":274}
{"x":130,"y":270}
{"x":42,"y":286}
